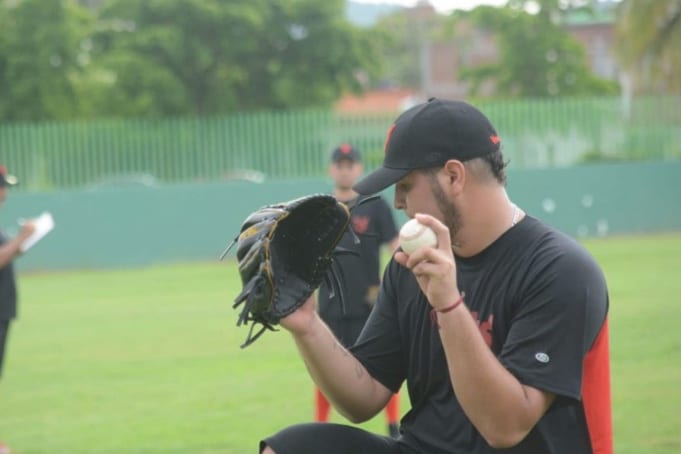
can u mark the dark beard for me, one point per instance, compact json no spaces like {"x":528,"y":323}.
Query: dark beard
{"x":452,"y":216}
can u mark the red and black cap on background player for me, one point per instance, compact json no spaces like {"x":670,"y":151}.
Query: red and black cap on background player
{"x":346,"y":152}
{"x":428,"y":135}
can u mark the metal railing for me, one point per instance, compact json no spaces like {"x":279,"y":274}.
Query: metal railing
{"x":296,"y":144}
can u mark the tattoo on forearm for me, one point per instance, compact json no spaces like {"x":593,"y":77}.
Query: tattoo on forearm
{"x":359,"y":369}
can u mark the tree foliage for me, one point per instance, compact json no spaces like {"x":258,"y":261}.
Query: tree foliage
{"x":173,"y":57}
{"x":649,"y":42}
{"x":63,"y":59}
{"x":40,"y":51}
{"x":537,"y":57}
{"x":400,"y":39}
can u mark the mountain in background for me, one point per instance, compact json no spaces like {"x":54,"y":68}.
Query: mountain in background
{"x":366,"y":14}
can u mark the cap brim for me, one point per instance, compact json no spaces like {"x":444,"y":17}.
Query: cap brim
{"x":379,"y":179}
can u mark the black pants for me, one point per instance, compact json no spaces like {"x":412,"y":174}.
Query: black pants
{"x":327,"y":438}
{"x":4,"y":331}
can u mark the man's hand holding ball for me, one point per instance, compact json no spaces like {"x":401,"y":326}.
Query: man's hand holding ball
{"x":427,"y":252}
{"x":414,"y":235}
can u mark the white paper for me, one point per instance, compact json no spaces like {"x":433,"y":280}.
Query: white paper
{"x":43,"y":225}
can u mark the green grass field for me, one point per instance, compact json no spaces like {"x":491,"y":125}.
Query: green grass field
{"x":147,"y":360}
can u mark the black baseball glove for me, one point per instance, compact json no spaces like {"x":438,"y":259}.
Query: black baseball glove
{"x":285,"y":251}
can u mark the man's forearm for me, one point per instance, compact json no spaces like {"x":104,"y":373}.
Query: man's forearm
{"x":340,"y":376}
{"x":499,"y":406}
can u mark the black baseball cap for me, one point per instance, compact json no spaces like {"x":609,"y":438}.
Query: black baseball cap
{"x":345,"y":151}
{"x":6,"y":179}
{"x":428,"y":135}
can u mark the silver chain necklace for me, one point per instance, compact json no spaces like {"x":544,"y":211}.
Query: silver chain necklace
{"x":516,"y":214}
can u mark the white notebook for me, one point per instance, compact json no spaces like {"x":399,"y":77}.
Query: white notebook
{"x":43,"y":225}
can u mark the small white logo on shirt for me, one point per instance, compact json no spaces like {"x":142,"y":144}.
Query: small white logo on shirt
{"x":541,"y":357}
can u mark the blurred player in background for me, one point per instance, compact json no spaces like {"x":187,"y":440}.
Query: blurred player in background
{"x":374,"y":225}
{"x":9,"y":250}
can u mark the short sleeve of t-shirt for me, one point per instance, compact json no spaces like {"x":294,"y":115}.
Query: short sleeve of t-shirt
{"x":562,"y":310}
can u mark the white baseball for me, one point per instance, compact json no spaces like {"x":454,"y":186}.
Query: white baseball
{"x":414,"y":235}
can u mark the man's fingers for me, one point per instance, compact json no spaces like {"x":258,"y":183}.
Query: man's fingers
{"x":401,"y":258}
{"x":426,"y":269}
{"x":424,"y":254}
{"x":444,"y":243}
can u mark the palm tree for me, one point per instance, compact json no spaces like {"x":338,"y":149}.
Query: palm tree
{"x":649,"y":43}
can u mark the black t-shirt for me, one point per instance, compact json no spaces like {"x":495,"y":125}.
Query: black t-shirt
{"x":540,"y":300}
{"x":374,"y":225}
{"x":8,"y":290}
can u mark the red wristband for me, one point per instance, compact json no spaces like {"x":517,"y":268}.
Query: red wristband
{"x":434,"y":312}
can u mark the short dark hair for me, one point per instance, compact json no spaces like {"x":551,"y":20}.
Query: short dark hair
{"x":496,"y":164}
{"x":493,"y":164}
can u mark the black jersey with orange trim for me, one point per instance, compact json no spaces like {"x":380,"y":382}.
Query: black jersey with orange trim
{"x":374,"y":225}
{"x":541,"y":304}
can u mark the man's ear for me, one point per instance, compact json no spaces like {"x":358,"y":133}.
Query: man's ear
{"x":455,"y":176}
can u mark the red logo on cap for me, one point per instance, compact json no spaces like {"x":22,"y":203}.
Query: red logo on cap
{"x":495,"y":139}
{"x":345,"y":148}
{"x":387,"y":138}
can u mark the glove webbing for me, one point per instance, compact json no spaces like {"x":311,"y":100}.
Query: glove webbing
{"x":333,"y":278}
